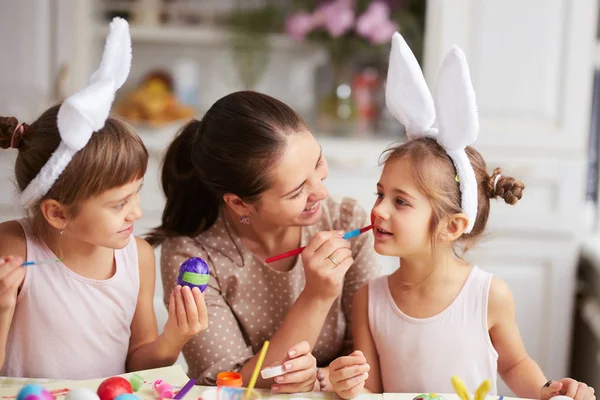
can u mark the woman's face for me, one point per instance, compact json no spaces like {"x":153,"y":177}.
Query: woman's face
{"x":297,"y":190}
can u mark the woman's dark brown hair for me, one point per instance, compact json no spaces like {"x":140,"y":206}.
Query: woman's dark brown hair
{"x":113,"y":157}
{"x":230,"y":150}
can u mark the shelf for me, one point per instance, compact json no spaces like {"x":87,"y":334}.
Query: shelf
{"x":195,"y":35}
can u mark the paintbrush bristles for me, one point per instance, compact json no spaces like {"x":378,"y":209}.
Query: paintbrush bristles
{"x":50,"y":261}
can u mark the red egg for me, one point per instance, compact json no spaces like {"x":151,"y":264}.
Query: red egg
{"x":113,"y":387}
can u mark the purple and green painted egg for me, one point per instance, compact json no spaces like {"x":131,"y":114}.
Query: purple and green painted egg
{"x":194,"y":272}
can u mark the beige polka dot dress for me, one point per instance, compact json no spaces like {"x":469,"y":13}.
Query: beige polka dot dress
{"x":247,"y":300}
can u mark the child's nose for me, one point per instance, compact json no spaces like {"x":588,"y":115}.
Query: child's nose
{"x":136,"y":212}
{"x":379,"y":211}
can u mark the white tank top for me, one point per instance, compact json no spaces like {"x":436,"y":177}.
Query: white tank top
{"x":420,"y":355}
{"x":66,"y":326}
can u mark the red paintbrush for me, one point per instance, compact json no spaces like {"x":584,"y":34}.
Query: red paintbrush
{"x":347,"y":235}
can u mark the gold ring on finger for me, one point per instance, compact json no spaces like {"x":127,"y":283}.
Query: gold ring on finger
{"x":333,"y":260}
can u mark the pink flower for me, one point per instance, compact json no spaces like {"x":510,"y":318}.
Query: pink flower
{"x":375,"y":24}
{"x":337,"y":16}
{"x":299,"y":25}
{"x":383,"y":33}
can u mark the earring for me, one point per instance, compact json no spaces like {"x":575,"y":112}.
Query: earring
{"x":61,"y":232}
{"x":245,"y":220}
{"x":443,"y":237}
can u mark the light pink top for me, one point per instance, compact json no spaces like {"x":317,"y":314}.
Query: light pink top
{"x":66,"y":326}
{"x":420,"y":355}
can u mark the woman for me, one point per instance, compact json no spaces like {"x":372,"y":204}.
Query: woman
{"x":243,"y":184}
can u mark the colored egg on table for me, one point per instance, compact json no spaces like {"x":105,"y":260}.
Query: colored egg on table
{"x":127,"y":396}
{"x":81,"y":394}
{"x":194,"y":272}
{"x":112,"y":387}
{"x":136,"y":382}
{"x":428,"y":396}
{"x":34,"y":392}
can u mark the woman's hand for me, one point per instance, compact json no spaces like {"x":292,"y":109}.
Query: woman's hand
{"x":300,"y":368}
{"x":326,"y":259}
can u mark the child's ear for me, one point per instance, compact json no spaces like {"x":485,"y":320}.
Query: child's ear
{"x":454,"y":226}
{"x":55,"y":213}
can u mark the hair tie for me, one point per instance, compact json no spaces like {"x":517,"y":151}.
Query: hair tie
{"x":14,"y":144}
{"x":496,"y":179}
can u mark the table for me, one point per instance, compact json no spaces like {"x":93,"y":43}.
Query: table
{"x":175,"y":375}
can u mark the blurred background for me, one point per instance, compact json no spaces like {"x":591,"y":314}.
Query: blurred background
{"x":533,"y":65}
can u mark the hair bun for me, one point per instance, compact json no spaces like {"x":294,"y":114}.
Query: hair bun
{"x":509,"y":188}
{"x":7,"y":128}
{"x":9,"y":137}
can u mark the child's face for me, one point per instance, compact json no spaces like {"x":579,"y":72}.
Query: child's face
{"x":297,"y":190}
{"x":107,"y":219}
{"x":402,"y":213}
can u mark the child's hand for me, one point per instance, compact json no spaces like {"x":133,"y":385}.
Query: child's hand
{"x":567,"y":387}
{"x":11,"y":277}
{"x":349,"y":374}
{"x":187,"y":315}
{"x":300,"y":371}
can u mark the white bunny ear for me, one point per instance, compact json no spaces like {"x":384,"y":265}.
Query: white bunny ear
{"x":456,"y":107}
{"x":86,"y":111}
{"x":116,"y":60}
{"x":407,"y":95}
{"x":458,"y":124}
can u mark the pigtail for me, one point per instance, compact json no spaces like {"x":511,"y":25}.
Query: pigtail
{"x":191,"y":207}
{"x":506,"y":187}
{"x":11,"y":132}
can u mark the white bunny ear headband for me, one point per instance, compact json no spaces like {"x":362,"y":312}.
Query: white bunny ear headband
{"x":86,"y":111}
{"x":410,"y":101}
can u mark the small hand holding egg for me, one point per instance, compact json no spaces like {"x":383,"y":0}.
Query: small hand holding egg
{"x":187,"y":310}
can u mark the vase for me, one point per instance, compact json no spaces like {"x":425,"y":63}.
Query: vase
{"x":337,"y":109}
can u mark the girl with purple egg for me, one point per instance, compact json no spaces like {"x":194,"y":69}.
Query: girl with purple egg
{"x":243,"y":184}
{"x":90,"y":312}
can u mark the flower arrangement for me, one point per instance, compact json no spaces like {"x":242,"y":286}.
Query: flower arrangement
{"x":356,"y":27}
{"x":355,"y":33}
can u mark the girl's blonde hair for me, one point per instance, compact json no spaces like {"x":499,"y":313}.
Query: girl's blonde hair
{"x":113,"y":157}
{"x":436,"y":177}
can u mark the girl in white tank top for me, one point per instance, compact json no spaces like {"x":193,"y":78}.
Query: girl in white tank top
{"x":437,"y":316}
{"x":89,"y":314}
